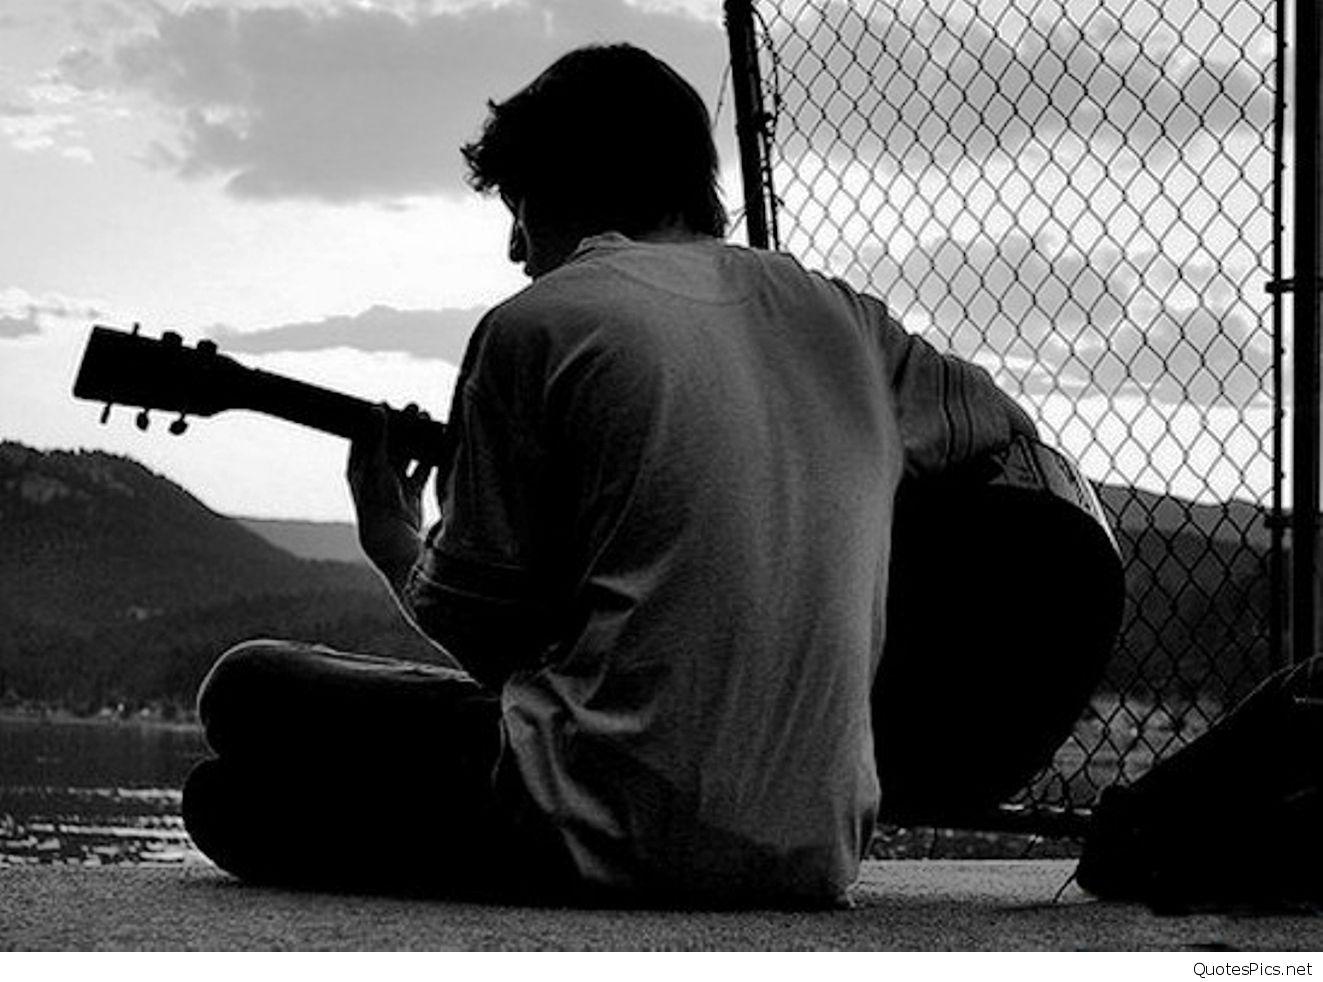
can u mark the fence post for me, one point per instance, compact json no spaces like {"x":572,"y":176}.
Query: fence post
{"x":746,"y":84}
{"x":1305,"y":429}
{"x":1277,"y":629}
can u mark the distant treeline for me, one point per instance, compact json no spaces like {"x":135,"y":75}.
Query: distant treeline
{"x":1195,"y":626}
{"x":1197,"y":617}
{"x":159,"y":661}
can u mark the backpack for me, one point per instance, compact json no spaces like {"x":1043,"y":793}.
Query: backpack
{"x":1234,"y":820}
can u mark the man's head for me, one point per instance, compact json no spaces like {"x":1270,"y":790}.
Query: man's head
{"x":609,"y":138}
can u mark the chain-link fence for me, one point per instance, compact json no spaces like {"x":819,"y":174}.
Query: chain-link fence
{"x":1080,"y":197}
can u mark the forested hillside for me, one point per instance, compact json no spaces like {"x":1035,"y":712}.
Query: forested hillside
{"x":117,"y":586}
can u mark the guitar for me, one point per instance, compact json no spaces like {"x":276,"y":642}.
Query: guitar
{"x":1005,"y":592}
{"x":131,"y":369}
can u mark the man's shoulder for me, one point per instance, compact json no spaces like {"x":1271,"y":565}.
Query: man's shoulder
{"x":568,"y":304}
{"x":566,"y":290}
{"x":614,"y":283}
{"x":547,"y":319}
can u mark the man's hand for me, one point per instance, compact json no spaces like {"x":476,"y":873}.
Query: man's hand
{"x":387,"y":496}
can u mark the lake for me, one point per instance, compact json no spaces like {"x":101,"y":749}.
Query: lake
{"x":94,"y":792}
{"x":104,"y":792}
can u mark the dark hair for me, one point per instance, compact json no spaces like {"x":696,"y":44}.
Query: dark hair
{"x":608,"y":138}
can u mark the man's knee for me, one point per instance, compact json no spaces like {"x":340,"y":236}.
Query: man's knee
{"x":236,"y":674}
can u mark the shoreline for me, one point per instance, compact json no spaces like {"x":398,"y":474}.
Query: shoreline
{"x":39,"y":715}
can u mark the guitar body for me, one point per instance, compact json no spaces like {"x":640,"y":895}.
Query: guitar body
{"x":1005,"y":594}
{"x":1005,"y":601}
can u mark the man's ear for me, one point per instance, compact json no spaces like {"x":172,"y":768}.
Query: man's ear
{"x":518,"y":247}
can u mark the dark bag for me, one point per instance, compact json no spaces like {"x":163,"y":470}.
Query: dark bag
{"x":1234,"y":820}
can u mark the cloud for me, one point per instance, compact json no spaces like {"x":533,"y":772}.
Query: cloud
{"x":28,"y":130}
{"x":42,"y":117}
{"x":916,"y":91}
{"x":1202,"y":356}
{"x":1015,"y":292}
{"x":422,"y":333}
{"x":23,"y":314}
{"x":1098,"y":324}
{"x":17,"y":327}
{"x":346,"y":104}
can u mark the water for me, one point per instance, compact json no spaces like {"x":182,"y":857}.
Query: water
{"x":94,"y":792}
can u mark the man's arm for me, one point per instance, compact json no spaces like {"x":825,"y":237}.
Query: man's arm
{"x":387,"y":498}
{"x":482,"y":613}
{"x":949,"y":409}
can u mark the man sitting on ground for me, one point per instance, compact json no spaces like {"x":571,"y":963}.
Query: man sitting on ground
{"x":662,"y":558}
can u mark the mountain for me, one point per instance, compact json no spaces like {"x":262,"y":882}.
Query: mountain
{"x":336,"y":541}
{"x":1131,"y":510}
{"x":1237,"y":522}
{"x":116,"y":584}
{"x":89,"y":538}
{"x":1198,"y":598}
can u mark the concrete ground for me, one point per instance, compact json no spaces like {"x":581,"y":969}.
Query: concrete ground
{"x":944,"y":905}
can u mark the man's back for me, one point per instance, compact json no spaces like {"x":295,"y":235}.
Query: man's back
{"x":713,"y":451}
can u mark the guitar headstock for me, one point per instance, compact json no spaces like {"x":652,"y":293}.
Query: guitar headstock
{"x":132,"y":369}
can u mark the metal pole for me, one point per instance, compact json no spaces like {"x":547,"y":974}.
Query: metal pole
{"x":746,"y":84}
{"x":1276,"y":522}
{"x":1305,"y":430}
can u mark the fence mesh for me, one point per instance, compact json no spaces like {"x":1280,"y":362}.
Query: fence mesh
{"x":1078,"y":196}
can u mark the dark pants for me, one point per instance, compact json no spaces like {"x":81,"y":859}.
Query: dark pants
{"x":338,"y":770}
{"x":346,"y":770}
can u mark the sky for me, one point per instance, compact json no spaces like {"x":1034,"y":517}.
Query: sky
{"x":284,"y":178}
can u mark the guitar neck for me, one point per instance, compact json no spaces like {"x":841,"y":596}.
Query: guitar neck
{"x":164,"y":373}
{"x":340,"y":415}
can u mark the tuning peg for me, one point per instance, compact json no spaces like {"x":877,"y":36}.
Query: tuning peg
{"x":105,"y":413}
{"x":136,"y":328}
{"x":142,"y":420}
{"x":171,"y":339}
{"x":207,"y":346}
{"x":179,"y":425}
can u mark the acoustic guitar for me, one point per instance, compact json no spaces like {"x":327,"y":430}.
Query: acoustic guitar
{"x":1005,"y":591}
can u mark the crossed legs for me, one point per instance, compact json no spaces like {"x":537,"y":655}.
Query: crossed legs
{"x":344,"y":770}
